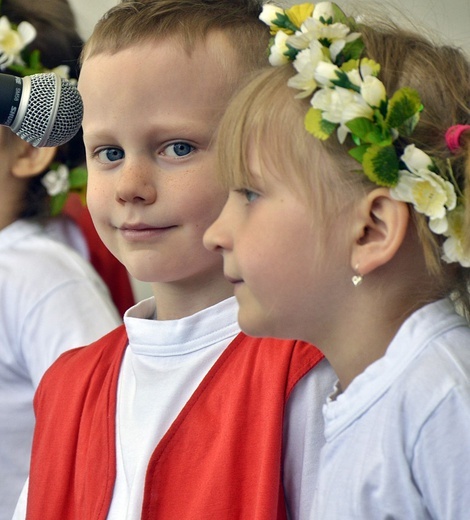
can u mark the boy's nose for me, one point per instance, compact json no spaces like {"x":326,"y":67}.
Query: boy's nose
{"x":136,"y":184}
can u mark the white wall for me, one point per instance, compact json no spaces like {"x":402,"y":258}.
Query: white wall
{"x":87,"y":13}
{"x":449,"y":19}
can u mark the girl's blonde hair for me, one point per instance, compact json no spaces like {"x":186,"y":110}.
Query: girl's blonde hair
{"x":266,"y":114}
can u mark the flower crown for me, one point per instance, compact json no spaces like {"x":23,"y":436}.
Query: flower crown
{"x":347,"y":97}
{"x":14,"y":57}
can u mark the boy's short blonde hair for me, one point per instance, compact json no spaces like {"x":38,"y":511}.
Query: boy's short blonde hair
{"x":187,"y":21}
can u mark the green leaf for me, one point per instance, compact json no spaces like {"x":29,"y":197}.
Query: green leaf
{"x":340,"y":17}
{"x":317,"y":126}
{"x":352,"y":50}
{"x":409,"y":125}
{"x":344,"y":81}
{"x":403,"y":105}
{"x":57,"y":202}
{"x":365,"y":129}
{"x":380,"y":164}
{"x":358,"y":152}
{"x":283,"y":21}
{"x":78,"y":177}
{"x":291,"y":52}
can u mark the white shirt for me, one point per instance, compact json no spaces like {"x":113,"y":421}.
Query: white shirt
{"x":163,"y":366}
{"x":398,"y":439}
{"x":169,"y":359}
{"x":50,"y":300}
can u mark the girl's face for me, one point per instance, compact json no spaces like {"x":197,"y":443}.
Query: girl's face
{"x":275,"y":257}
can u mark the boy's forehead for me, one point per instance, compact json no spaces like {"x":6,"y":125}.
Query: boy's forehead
{"x":212,"y":61}
{"x":159,"y":79}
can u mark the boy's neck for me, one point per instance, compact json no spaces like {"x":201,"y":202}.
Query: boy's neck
{"x":179,"y":300}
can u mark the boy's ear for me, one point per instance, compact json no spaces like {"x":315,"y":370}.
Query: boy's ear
{"x":30,"y":161}
{"x":379,"y":231}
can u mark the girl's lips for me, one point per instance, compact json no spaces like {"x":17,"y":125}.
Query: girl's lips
{"x":233,"y":280}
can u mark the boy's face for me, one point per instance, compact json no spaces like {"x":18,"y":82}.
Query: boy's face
{"x":150,"y":113}
{"x":273,"y":254}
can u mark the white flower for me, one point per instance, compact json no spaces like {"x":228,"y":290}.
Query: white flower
{"x":430,"y":195}
{"x":276,"y":56}
{"x":453,"y":250}
{"x":325,"y":72}
{"x":340,"y":105}
{"x":323,"y":10}
{"x":309,"y":31}
{"x":62,"y":71}
{"x":56,"y":181}
{"x":373,"y":91}
{"x":305,"y":63}
{"x":337,"y":45}
{"x":415,"y":159}
{"x":269,"y":12}
{"x":313,"y":29}
{"x":13,"y":41}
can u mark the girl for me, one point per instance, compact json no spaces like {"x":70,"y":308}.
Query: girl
{"x":347,"y":226}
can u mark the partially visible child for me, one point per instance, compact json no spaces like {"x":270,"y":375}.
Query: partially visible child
{"x":51,"y":299}
{"x":347,"y":225}
{"x":57,"y":45}
{"x":177,"y":414}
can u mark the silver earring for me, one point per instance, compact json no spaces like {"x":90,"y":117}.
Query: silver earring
{"x":357,"y":278}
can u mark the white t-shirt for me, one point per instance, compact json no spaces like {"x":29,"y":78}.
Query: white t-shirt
{"x":169,"y":359}
{"x":398,"y":439}
{"x":50,"y":300}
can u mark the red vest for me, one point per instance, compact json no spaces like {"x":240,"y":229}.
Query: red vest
{"x":220,"y":459}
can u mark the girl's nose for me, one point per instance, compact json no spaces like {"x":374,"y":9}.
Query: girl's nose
{"x":217,"y":236}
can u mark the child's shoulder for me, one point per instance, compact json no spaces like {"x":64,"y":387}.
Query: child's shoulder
{"x":87,"y":363}
{"x":29,"y":247}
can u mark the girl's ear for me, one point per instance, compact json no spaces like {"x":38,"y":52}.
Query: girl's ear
{"x":30,"y":161}
{"x":379,"y":232}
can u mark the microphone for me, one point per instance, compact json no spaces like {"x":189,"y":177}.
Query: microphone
{"x":43,"y":109}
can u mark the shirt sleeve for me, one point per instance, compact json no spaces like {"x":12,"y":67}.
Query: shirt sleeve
{"x":441,"y":455}
{"x":304,"y":438}
{"x":20,"y":510}
{"x":72,"y":314}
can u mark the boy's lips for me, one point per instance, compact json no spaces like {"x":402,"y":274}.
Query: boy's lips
{"x":142,"y":231}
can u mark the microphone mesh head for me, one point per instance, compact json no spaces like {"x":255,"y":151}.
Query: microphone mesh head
{"x":35,"y":127}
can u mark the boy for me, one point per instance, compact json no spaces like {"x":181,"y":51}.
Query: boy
{"x":178,"y":415}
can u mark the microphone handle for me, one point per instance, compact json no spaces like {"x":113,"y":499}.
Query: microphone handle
{"x":11,"y":88}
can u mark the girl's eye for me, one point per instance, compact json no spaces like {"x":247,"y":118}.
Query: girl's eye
{"x":250,"y":196}
{"x":110,"y":154}
{"x":180,"y":149}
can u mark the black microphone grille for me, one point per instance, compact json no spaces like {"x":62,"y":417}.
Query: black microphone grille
{"x":50,"y":111}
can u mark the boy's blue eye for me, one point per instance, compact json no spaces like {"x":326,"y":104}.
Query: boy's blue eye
{"x":180,"y":149}
{"x":111,"y":154}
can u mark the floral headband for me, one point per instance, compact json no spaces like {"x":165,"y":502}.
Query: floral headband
{"x":347,"y":97}
{"x":14,"y":57}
